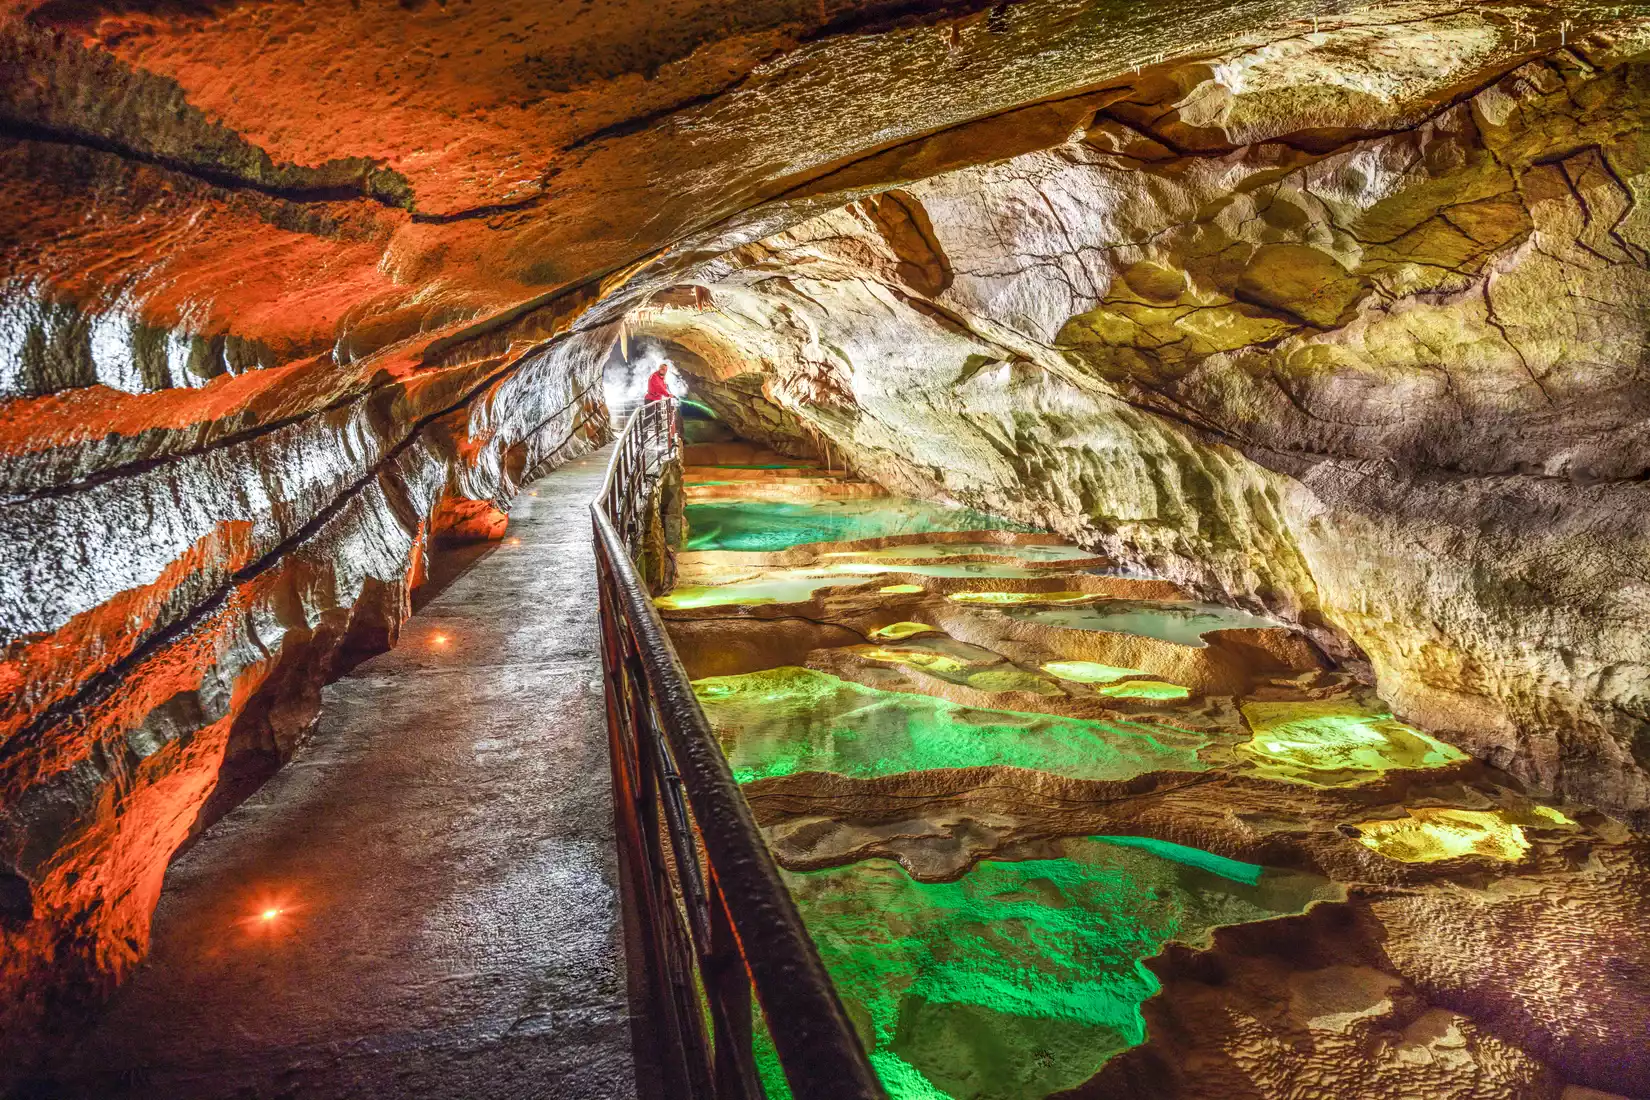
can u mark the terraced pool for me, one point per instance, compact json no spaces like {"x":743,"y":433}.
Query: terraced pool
{"x":1021,"y":978}
{"x":786,"y":721}
{"x":1181,"y":623}
{"x":777,"y":525}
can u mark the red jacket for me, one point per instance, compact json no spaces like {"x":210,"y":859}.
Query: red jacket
{"x":657,"y":388}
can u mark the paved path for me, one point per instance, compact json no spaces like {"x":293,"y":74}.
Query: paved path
{"x":442,"y":855}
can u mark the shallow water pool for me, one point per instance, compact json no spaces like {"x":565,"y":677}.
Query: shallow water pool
{"x":785,"y":721}
{"x":1021,"y":978}
{"x":778,"y":525}
{"x":1180,"y":623}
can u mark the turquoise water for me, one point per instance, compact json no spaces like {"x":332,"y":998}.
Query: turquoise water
{"x":1019,"y":979}
{"x":1183,"y":624}
{"x":1236,"y":870}
{"x":769,"y":525}
{"x":785,"y":721}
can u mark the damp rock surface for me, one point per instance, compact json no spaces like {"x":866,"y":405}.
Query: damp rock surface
{"x":1296,"y":328}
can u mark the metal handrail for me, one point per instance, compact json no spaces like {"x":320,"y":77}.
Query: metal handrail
{"x":714,"y":918}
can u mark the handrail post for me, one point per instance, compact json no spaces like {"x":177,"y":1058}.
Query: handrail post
{"x":727,"y":984}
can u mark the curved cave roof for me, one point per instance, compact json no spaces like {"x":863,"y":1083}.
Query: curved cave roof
{"x":331,"y":181}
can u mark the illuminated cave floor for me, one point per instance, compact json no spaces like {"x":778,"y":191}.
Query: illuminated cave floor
{"x":439,"y":859}
{"x":1017,"y":792}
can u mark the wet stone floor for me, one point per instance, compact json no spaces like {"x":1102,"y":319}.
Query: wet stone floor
{"x":1014,"y":788}
{"x":424,"y":902}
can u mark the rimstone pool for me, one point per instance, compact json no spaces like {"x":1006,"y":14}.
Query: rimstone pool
{"x":1003,"y":775}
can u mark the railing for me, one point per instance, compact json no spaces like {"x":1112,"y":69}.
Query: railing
{"x":712,"y":916}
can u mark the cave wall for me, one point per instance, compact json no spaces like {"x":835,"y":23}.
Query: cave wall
{"x":218,"y":586}
{"x":1348,"y":329}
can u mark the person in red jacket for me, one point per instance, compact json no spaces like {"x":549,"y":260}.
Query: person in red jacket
{"x":658,"y":385}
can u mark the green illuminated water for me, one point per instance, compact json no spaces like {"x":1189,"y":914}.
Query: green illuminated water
{"x":959,"y":663}
{"x":912,"y":551}
{"x":753,"y":466}
{"x":1011,"y":599}
{"x":1181,"y":623}
{"x":777,"y":586}
{"x":1158,"y":690}
{"x":1335,"y":742}
{"x":799,"y":583}
{"x":1089,"y":672}
{"x":1021,"y":978}
{"x":785,"y":721}
{"x":776,"y":525}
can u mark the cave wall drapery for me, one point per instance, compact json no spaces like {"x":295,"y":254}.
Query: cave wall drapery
{"x":1374,"y":365}
{"x":226,"y":586}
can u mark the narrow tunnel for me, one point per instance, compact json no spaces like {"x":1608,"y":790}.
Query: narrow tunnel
{"x":832,"y":549}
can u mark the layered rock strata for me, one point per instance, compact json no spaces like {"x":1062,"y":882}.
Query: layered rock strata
{"x":1313,"y":328}
{"x":220,"y":584}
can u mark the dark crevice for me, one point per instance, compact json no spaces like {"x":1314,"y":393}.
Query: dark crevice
{"x":642,"y":122}
{"x":903,"y":14}
{"x":383,"y":186}
{"x":474,"y":212}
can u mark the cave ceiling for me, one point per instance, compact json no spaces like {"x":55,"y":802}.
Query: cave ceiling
{"x":331,"y":180}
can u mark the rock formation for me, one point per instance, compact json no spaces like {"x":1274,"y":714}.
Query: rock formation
{"x":1361,"y":353}
{"x":1335,"y":315}
{"x":947,"y":734}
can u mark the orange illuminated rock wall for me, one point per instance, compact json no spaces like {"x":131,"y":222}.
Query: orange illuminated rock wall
{"x":215,"y":592}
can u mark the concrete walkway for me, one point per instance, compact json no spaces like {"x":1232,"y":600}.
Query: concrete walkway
{"x":441,"y":857}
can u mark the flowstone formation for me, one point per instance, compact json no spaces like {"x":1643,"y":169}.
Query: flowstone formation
{"x":1059,"y":828}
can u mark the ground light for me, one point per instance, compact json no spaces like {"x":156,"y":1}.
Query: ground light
{"x":268,"y":913}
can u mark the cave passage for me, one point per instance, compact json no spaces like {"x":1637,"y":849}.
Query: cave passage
{"x":1161,"y":549}
{"x":426,"y":902}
